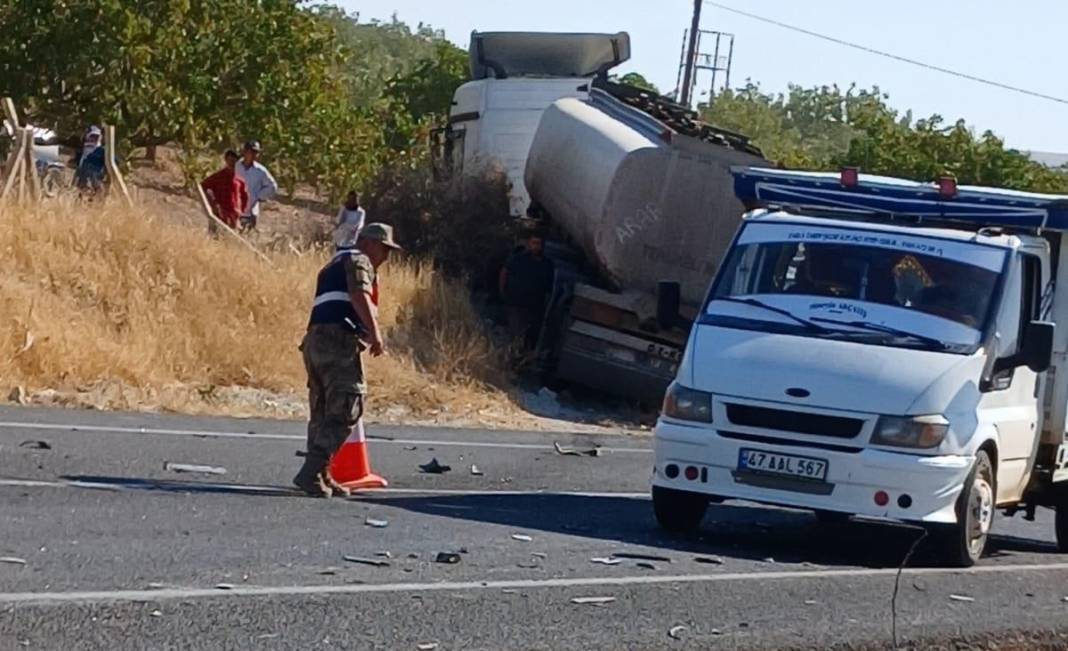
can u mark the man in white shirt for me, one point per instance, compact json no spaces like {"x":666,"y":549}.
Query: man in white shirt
{"x":350,"y":219}
{"x":261,"y":185}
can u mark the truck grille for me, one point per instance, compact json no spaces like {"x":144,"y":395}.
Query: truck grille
{"x":794,"y":421}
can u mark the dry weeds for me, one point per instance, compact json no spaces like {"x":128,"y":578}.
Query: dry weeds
{"x":114,"y":308}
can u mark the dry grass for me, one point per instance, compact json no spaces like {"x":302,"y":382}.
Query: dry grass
{"x":112,"y":308}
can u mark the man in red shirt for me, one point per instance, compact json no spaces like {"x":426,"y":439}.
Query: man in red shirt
{"x":226,"y":192}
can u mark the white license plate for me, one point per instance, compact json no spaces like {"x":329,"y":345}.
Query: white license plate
{"x":782,"y":464}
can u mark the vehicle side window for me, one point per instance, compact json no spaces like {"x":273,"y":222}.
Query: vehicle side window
{"x":1031,"y":294}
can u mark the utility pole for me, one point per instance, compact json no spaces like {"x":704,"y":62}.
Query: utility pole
{"x":691,"y":53}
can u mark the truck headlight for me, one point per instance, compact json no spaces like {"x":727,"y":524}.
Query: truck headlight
{"x":910,"y":432}
{"x":687,"y":404}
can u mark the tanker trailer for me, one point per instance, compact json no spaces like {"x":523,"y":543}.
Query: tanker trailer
{"x":643,"y":192}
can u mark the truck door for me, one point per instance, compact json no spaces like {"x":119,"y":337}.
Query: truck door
{"x":1012,"y":401}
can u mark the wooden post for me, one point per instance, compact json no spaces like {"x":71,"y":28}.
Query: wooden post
{"x":18,"y":160}
{"x":114,"y":175}
{"x":29,"y":167}
{"x":13,"y":118}
{"x":215,"y":220}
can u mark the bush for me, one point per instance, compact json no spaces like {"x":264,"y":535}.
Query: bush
{"x":459,"y":223}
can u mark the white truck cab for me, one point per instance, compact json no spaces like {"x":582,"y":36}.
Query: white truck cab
{"x":515,"y":76}
{"x":881,"y":348}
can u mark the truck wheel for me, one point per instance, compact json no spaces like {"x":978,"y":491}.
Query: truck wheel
{"x":962,"y":544}
{"x":1062,"y":525}
{"x":678,"y":510}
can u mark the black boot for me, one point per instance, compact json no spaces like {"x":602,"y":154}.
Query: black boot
{"x":310,"y":477}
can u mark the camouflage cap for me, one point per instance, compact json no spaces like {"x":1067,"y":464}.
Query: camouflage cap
{"x":379,"y":232}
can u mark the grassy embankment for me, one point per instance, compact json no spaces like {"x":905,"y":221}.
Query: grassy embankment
{"x":112,"y":308}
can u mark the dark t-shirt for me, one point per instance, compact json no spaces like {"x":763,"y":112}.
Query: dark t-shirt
{"x":529,"y":280}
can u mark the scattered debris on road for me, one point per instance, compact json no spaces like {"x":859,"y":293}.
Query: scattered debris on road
{"x":384,"y":554}
{"x":476,"y":471}
{"x":604,"y":560}
{"x":675,"y":632}
{"x":428,"y":646}
{"x":960,"y":597}
{"x":539,"y":554}
{"x":155,"y":585}
{"x":708,"y":560}
{"x":194,"y":467}
{"x":645,"y":566}
{"x":330,"y":571}
{"x":534,"y":564}
{"x":224,"y":586}
{"x":522,"y":537}
{"x":450,"y":558}
{"x":641,"y":557}
{"x":811,"y":602}
{"x":359,"y":560}
{"x":434,"y":468}
{"x":576,"y":452}
{"x":377,"y":524}
{"x":36,"y":445}
{"x":592,"y":601}
{"x":12,"y":560}
{"x":770,"y":560}
{"x":156,"y":613}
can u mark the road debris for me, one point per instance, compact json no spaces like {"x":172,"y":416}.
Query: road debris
{"x":604,"y":560}
{"x":522,"y":537}
{"x":18,"y":395}
{"x":427,"y":646}
{"x":36,"y":445}
{"x":450,"y":558}
{"x":532,"y":565}
{"x":641,"y":557}
{"x":770,"y":560}
{"x":194,"y":467}
{"x":156,"y":613}
{"x":377,"y":524}
{"x":13,"y":560}
{"x":434,"y":468}
{"x":224,"y":586}
{"x":539,"y":554}
{"x":675,"y":632}
{"x":645,"y":566}
{"x":155,"y":585}
{"x":359,"y":560}
{"x":715,"y":631}
{"x":330,"y":571}
{"x":708,"y":560}
{"x":476,"y":471}
{"x":960,"y":597}
{"x":384,"y":554}
{"x":411,"y":448}
{"x":592,"y":601}
{"x":569,"y":451}
{"x":811,"y":602}
{"x":919,"y":586}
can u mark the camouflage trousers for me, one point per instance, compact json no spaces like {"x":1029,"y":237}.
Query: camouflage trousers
{"x":335,"y":388}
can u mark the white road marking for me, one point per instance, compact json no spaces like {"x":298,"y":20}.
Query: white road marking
{"x":134,"y":484}
{"x":114,"y":429}
{"x":53,"y":598}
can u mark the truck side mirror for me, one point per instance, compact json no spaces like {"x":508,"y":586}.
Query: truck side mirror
{"x":668,"y":301}
{"x":1037,"y":350}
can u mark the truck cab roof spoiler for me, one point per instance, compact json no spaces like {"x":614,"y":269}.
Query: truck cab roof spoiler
{"x":865,"y":195}
{"x":545,"y":54}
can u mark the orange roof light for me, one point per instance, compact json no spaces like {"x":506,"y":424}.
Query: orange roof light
{"x":850,"y":177}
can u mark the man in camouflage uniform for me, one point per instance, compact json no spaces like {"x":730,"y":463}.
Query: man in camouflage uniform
{"x":343,"y":323}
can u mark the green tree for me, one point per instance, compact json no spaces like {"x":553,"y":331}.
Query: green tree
{"x":827,"y":128}
{"x":637,"y":80}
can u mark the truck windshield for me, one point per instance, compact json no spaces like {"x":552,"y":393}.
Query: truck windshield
{"x":884,"y":288}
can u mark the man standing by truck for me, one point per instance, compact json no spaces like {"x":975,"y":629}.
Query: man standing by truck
{"x":343,"y":323}
{"x":525,"y":283}
{"x":261,"y":185}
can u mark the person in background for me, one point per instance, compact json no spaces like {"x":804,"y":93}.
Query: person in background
{"x":350,"y":219}
{"x":261,"y":185}
{"x":90,"y":169}
{"x":226,"y":192}
{"x":525,"y":283}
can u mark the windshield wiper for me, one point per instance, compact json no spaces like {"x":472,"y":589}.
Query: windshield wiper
{"x":890,"y":330}
{"x":778,"y":310}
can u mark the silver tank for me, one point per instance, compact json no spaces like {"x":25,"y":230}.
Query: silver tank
{"x":644,"y":203}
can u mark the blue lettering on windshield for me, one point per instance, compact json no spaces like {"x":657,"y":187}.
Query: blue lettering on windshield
{"x":926,"y":248}
{"x":834,"y":307}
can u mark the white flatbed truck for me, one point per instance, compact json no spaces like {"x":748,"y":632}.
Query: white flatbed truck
{"x":881,"y":348}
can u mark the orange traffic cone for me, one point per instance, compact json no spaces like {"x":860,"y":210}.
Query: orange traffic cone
{"x":351,"y":465}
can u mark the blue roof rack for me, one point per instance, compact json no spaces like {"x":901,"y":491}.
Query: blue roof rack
{"x":973,"y":206}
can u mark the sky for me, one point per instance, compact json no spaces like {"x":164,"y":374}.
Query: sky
{"x":1018,"y":43}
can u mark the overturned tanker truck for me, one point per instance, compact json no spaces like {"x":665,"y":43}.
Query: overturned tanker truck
{"x":636,"y":193}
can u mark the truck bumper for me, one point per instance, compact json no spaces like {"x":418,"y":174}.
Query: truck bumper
{"x":919,"y":488}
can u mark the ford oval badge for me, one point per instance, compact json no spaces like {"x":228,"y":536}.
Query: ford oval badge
{"x":798,"y":392}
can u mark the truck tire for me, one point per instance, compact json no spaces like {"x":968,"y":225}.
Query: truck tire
{"x":679,"y":511}
{"x":962,"y":544}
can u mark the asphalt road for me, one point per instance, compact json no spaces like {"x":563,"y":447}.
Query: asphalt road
{"x":121,"y":553}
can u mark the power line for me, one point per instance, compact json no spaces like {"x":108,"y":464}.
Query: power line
{"x":889,"y":55}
